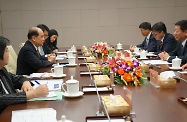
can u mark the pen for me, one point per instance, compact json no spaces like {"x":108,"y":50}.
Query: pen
{"x":37,"y":82}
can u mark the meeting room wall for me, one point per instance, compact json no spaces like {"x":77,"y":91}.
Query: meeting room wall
{"x":82,"y":22}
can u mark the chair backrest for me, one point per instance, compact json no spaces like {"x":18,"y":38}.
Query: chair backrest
{"x":12,"y":63}
{"x":21,"y":45}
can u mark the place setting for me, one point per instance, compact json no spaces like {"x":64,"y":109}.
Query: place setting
{"x":57,"y":71}
{"x":72,"y":88}
{"x":176,"y":62}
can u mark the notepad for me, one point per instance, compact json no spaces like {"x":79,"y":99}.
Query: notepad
{"x":34,"y":115}
{"x":111,"y":120}
{"x":51,"y":96}
{"x":53,"y":84}
{"x":155,"y":62}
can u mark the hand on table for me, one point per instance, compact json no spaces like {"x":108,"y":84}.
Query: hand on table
{"x":26,"y":86}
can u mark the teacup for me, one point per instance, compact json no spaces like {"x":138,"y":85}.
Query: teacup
{"x":73,"y":48}
{"x":136,"y":50}
{"x":70,"y":54}
{"x":57,"y":70}
{"x":176,"y":62}
{"x":71,"y":60}
{"x":143,"y":54}
{"x":119,"y":46}
{"x":72,"y":87}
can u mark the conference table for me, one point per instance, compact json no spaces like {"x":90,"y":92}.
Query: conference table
{"x":148,"y":103}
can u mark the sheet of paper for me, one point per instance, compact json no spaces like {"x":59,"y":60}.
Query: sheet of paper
{"x":111,"y":120}
{"x":81,"y":57}
{"x":53,"y":84}
{"x":52,"y":96}
{"x":87,"y":73}
{"x":34,"y":115}
{"x":94,"y":89}
{"x":155,"y":62}
{"x":183,"y":72}
{"x":61,"y":56}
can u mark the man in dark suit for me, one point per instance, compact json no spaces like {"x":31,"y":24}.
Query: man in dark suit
{"x":165,"y":41}
{"x":149,"y":43}
{"x":29,"y":59}
{"x":180,"y":34}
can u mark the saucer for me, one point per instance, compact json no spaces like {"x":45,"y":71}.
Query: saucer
{"x":65,"y":94}
{"x":175,"y":68}
{"x":71,"y":65}
{"x":119,"y":48}
{"x":63,"y":75}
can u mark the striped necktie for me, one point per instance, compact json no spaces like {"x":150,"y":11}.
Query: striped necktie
{"x":38,"y":53}
{"x":161,"y":44}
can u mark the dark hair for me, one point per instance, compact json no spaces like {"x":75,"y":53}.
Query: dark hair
{"x":159,"y":27}
{"x":145,"y":25}
{"x":32,"y":32}
{"x":43,"y":27}
{"x":51,"y":33}
{"x":182,"y":24}
{"x":3,"y":43}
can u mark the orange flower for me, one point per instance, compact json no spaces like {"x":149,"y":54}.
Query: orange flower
{"x":120,"y":71}
{"x":105,"y":51}
{"x":129,"y":63}
{"x":138,"y":73}
{"x":140,"y":67}
{"x":127,"y":77}
{"x":127,"y":54}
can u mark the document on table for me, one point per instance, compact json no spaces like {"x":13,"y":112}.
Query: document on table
{"x":94,"y":89}
{"x":155,"y":62}
{"x":111,"y":120}
{"x":57,"y":95}
{"x":53,"y":84}
{"x":34,"y":115}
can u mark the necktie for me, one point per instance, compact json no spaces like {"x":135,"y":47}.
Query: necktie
{"x":161,"y":44}
{"x":38,"y":53}
{"x":147,"y":42}
{"x":182,"y":49}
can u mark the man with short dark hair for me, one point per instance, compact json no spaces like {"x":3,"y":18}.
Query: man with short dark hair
{"x":166,"y":41}
{"x":149,"y":42}
{"x":29,"y":59}
{"x":10,"y":82}
{"x":180,"y":34}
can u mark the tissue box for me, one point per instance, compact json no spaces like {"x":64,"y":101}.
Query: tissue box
{"x":145,"y":67}
{"x":120,"y":109}
{"x":102,"y":80}
{"x":166,"y":83}
{"x":94,"y":67}
{"x":90,"y":59}
{"x":87,"y":54}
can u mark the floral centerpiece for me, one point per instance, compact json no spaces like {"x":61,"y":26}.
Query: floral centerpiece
{"x":127,"y":72}
{"x":102,"y":49}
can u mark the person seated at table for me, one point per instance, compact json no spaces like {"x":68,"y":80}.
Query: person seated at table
{"x":9,"y":83}
{"x":165,"y":41}
{"x":149,"y":43}
{"x":50,"y":45}
{"x":45,"y":30}
{"x":180,"y":33}
{"x":29,"y":59}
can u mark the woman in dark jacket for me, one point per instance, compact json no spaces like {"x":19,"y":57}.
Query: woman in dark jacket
{"x":9,"y":83}
{"x":50,"y":44}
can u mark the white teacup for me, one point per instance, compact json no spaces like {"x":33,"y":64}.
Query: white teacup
{"x":143,"y":54}
{"x":176,"y":62}
{"x":136,"y":50}
{"x":71,"y":60}
{"x":73,"y":48}
{"x":70,"y":54}
{"x":57,"y":70}
{"x":72,"y":87}
{"x":119,"y":46}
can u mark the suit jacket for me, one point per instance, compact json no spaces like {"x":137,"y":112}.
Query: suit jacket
{"x":152,"y":45}
{"x":182,"y":54}
{"x":11,"y":82}
{"x":28,"y":61}
{"x":169,"y":44}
